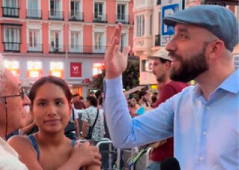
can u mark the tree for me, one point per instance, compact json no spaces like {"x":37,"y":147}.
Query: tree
{"x":130,"y":76}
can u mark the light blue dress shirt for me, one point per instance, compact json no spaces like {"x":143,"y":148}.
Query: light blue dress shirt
{"x":205,"y":132}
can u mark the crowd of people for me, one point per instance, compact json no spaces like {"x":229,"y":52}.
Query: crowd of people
{"x":196,"y":124}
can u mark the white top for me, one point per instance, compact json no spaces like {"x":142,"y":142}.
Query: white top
{"x":9,"y":158}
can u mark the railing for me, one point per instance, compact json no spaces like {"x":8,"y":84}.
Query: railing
{"x":55,"y":15}
{"x":157,"y":40}
{"x":87,"y":49}
{"x":12,"y":46}
{"x":34,"y":14}
{"x":76,"y":16}
{"x":34,"y":47}
{"x":124,"y":19}
{"x":10,"y":12}
{"x":100,"y":18}
{"x":56,"y":49}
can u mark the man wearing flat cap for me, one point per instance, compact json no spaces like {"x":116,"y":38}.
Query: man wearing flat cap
{"x":203,"y":119}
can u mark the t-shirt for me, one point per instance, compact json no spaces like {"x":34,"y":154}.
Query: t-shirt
{"x":9,"y":158}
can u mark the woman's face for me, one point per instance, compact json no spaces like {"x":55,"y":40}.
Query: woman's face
{"x":51,"y":109}
{"x":133,"y":101}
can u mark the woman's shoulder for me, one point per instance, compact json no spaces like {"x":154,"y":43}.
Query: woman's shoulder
{"x":19,"y":140}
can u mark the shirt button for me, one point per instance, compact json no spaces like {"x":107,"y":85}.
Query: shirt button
{"x":204,"y":133}
{"x":201,"y":158}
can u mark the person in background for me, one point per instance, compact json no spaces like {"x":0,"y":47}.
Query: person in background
{"x":49,"y":148}
{"x":203,"y":118}
{"x":89,"y":116}
{"x":77,"y":102}
{"x":161,"y":69}
{"x":133,"y":106}
{"x":91,"y":93}
{"x":143,"y":102}
{"x":13,"y":115}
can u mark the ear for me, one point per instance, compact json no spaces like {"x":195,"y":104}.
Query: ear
{"x":215,"y":49}
{"x":167,"y":65}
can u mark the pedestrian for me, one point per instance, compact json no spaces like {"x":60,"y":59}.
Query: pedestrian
{"x":12,"y":117}
{"x":203,"y":118}
{"x":49,"y":148}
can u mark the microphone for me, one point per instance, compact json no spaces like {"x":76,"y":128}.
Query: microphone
{"x":170,"y":164}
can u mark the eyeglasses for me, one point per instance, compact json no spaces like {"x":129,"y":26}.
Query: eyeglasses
{"x":22,"y":94}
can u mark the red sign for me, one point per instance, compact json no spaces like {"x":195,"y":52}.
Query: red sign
{"x":75,"y":69}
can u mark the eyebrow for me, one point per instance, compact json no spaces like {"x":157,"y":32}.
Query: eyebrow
{"x":182,"y":30}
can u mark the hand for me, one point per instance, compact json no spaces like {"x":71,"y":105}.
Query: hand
{"x":115,"y":61}
{"x":86,"y":154}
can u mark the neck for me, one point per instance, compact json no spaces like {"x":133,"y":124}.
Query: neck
{"x":211,"y":79}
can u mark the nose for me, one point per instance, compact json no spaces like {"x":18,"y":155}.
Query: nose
{"x":171,"y":45}
{"x":26,"y":100}
{"x":51,"y":110}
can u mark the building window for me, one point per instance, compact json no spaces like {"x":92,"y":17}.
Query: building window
{"x":55,"y":12}
{"x":11,"y":38}
{"x":33,"y":9}
{"x":34,"y":69}
{"x":99,"y":42}
{"x":34,"y":41}
{"x":10,"y":8}
{"x":122,"y":14}
{"x":151,"y":24}
{"x":55,"y":45}
{"x":75,"y":13}
{"x":75,"y":42}
{"x":99,"y":15}
{"x":140,"y":25}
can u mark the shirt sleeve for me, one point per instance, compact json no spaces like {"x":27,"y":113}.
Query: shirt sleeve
{"x":125,"y":132}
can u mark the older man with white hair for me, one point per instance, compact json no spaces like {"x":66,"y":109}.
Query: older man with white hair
{"x":13,"y":102}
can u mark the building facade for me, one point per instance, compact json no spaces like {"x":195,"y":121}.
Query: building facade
{"x":64,"y":38}
{"x":147,"y":14}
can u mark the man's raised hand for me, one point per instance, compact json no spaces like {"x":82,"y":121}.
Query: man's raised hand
{"x":115,"y":61}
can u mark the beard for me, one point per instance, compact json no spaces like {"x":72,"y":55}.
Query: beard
{"x":190,"y":68}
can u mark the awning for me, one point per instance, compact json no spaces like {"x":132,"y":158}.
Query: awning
{"x":135,"y":89}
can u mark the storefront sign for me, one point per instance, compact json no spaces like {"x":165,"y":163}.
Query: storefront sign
{"x":75,"y":70}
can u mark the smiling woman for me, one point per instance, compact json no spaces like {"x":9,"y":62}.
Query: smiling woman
{"x":50,"y":149}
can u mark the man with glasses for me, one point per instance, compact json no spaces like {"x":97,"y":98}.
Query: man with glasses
{"x":13,"y":104}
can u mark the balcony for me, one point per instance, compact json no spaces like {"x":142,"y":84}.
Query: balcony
{"x":34,"y":14}
{"x":124,"y":19}
{"x":55,"y":15}
{"x":10,"y":12}
{"x":76,"y":16}
{"x":56,"y":49}
{"x":76,"y":49}
{"x":157,"y":40}
{"x":11,"y":46}
{"x":35,"y":48}
{"x":100,"y":18}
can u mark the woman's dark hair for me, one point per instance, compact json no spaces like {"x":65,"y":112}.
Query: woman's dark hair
{"x":92,"y":100}
{"x":50,"y":79}
{"x":142,"y":93}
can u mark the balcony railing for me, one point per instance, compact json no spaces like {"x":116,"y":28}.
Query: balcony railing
{"x":34,"y":48}
{"x":124,"y":19}
{"x":157,"y":40}
{"x":100,"y":18}
{"x":10,"y":12}
{"x":76,"y":16}
{"x":56,"y":49}
{"x":34,"y":14}
{"x":12,"y":46}
{"x":55,"y":15}
{"x":76,"y":49}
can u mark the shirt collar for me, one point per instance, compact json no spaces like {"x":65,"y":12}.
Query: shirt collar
{"x":230,"y":84}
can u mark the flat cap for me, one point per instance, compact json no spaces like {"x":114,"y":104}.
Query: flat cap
{"x":217,"y":19}
{"x":162,"y":53}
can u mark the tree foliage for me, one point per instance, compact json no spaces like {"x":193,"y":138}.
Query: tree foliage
{"x":130,"y":77}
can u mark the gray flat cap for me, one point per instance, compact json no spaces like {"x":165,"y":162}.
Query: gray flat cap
{"x":218,"y":20}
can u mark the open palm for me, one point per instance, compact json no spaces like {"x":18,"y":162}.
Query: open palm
{"x":115,"y":61}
